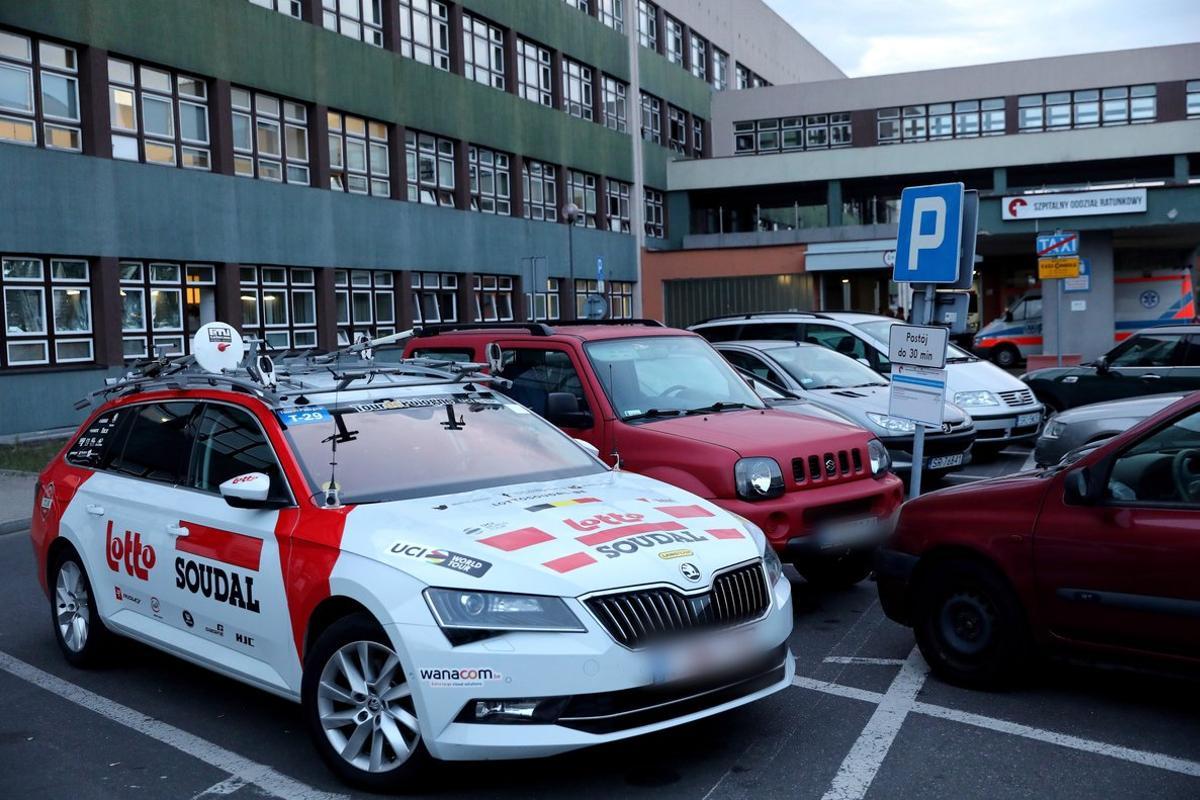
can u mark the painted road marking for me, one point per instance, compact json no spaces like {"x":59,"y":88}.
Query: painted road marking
{"x":880,"y":662}
{"x":225,"y":787}
{"x":862,"y":763}
{"x":239,"y":767}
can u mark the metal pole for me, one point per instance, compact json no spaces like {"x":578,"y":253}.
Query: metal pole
{"x":918,"y":453}
{"x":571,"y":258}
{"x":1058,"y":311}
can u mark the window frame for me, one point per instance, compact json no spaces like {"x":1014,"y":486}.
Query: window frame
{"x":40,"y":123}
{"x":176,"y":99}
{"x":285,"y":121}
{"x":335,"y":18}
{"x":47,"y":288}
{"x":480,"y":162}
{"x":535,"y":72}
{"x":548,"y":175}
{"x":421,"y":148}
{"x":479,"y":32}
{"x":431,"y":22}
{"x":578,"y":89}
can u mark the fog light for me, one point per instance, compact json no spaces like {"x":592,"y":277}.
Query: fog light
{"x":505,"y":710}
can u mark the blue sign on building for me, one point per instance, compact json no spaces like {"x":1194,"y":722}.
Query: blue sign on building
{"x":1055,"y":245}
{"x":930,"y":242}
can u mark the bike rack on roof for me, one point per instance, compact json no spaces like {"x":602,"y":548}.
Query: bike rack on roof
{"x":760,"y":314}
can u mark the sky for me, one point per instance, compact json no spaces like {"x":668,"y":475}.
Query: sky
{"x":871,"y":37}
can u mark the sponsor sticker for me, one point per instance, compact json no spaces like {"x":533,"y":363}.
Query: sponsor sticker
{"x":438,"y":557}
{"x":432,"y":401}
{"x":632,"y":544}
{"x":577,"y":501}
{"x":244,"y":640}
{"x":188,"y":619}
{"x":455,"y":678}
{"x":128,"y":553}
{"x":667,"y":555}
{"x":224,"y":586}
{"x":306,"y":416}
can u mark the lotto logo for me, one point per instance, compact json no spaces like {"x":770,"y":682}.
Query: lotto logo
{"x":137,"y":558}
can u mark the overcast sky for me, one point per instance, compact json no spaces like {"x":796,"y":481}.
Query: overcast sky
{"x":869,"y":37}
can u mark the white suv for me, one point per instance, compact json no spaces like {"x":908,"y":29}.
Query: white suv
{"x":1004,"y":408}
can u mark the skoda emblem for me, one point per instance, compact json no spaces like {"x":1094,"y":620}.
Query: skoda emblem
{"x":690,"y":571}
{"x":830,"y":466}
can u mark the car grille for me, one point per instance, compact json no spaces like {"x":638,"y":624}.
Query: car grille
{"x":638,"y":617}
{"x":827,"y":467}
{"x":1017,"y":397}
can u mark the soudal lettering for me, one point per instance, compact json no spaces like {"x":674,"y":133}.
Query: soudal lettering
{"x":592,"y":523}
{"x":137,"y":558}
{"x":224,"y":586}
{"x":634,"y":543}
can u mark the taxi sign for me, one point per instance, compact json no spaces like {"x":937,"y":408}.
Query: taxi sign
{"x":1054,"y":268}
{"x":918,"y":345}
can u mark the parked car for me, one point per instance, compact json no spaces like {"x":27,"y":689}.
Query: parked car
{"x":1155,"y":299}
{"x":665,"y":404}
{"x":1082,"y":426}
{"x":845,"y":386}
{"x":1095,"y":557}
{"x":425,"y":566}
{"x":1151,"y":361}
{"x":1004,"y":410}
{"x":778,"y":397}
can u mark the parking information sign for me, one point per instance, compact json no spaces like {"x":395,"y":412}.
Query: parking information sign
{"x":918,"y":346}
{"x":931,"y":227}
{"x":918,"y":394}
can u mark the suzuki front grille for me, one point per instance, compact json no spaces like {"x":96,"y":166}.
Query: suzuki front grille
{"x":827,"y":467}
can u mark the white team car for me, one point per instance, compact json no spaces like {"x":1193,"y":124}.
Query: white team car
{"x":428,"y":567}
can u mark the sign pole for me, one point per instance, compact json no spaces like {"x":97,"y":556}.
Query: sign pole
{"x":1058,"y":312}
{"x":918,"y":455}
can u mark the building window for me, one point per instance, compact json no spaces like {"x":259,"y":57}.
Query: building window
{"x":490,"y":176}
{"x":543,"y":305}
{"x":493,"y":298}
{"x":157,"y":116}
{"x":163,"y":304}
{"x":814,"y":132}
{"x":648,"y":24}
{"x":743,"y":137}
{"x":744,"y":77}
{"x":991,"y":116}
{"x":534,"y":73}
{"x":425,"y":32}
{"x":699,"y":57}
{"x":540,"y":182}
{"x":677,"y":132}
{"x":279,"y":305}
{"x":358,"y":155}
{"x":615,"y":106}
{"x":39,"y":92}
{"x":887,"y":125}
{"x":1087,"y":108}
{"x":841,"y":134}
{"x":697,"y":137}
{"x":1143,"y":103}
{"x":358,"y":19}
{"x":483,"y":52}
{"x":581,"y":190}
{"x":47,"y":311}
{"x":651,"y":118}
{"x":365,"y":302}
{"x":290,"y":7}
{"x":577,"y":89}
{"x":612,"y":14}
{"x":720,"y":70}
{"x":620,"y":299}
{"x":618,"y":206}
{"x":583,"y":5}
{"x":1193,"y":99}
{"x":941,"y":121}
{"x":674,"y":41}
{"x":655,"y":217}
{"x":914,"y":127}
{"x":270,"y":137}
{"x":435,"y":297}
{"x":430,"y":163}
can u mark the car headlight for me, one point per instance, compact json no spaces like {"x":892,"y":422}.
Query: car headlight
{"x":881,"y":462}
{"x":758,"y":478}
{"x":892,"y":424}
{"x":773,"y":564}
{"x":1054,"y":429}
{"x":975,"y":399}
{"x":465,"y":611}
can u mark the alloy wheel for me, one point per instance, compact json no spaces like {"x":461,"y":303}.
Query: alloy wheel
{"x":71,"y":606}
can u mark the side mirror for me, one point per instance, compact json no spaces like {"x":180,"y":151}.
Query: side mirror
{"x":247,"y":491}
{"x":586,"y":445}
{"x":495,"y":357}
{"x":562,"y":409}
{"x":1102,"y":365}
{"x":1008,"y":316}
{"x":863,"y":361}
{"x":1078,"y":490}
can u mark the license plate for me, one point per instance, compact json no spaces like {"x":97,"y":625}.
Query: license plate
{"x":1025,"y":420}
{"x":712,"y":653}
{"x":942,"y":462}
{"x":841,"y":534}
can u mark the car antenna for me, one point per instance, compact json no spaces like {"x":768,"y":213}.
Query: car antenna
{"x":333,"y":497}
{"x":612,"y":390}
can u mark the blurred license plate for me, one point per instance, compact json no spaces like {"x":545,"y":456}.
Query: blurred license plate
{"x":855,"y":531}
{"x":1025,"y":420}
{"x":707,"y":652}
{"x":942,"y":462}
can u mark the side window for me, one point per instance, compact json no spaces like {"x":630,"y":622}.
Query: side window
{"x":1018,"y":311}
{"x":751,"y":364}
{"x":785,"y":331}
{"x":1191,"y":356}
{"x":837,"y":339}
{"x":102,"y":441}
{"x":1148,"y":350}
{"x":444,"y":354}
{"x":536,"y":373}
{"x":720,"y":333}
{"x":1033,"y":308}
{"x":1163,"y":468}
{"x":230,"y":442}
{"x":158,"y":443}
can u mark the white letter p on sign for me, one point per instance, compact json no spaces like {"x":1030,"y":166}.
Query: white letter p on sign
{"x":926,"y":241}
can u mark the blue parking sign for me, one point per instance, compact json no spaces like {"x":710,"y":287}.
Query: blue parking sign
{"x":930,"y":242}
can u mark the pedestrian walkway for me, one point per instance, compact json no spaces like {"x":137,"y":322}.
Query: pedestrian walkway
{"x":16,"y":500}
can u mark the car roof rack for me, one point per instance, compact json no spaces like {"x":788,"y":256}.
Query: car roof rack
{"x":647,"y":323}
{"x":760,"y":314}
{"x":533,"y":328}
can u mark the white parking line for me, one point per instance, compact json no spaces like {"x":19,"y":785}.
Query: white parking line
{"x":225,"y":787}
{"x":858,"y":769}
{"x":879,"y":662}
{"x":239,"y":767}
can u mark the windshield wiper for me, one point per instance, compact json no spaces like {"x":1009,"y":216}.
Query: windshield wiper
{"x":654,"y":413}
{"x":716,"y":407}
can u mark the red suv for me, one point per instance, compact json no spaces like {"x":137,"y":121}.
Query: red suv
{"x":1097,"y":554}
{"x":666,"y":404}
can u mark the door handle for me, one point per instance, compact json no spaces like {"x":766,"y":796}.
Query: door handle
{"x":1152,"y":377}
{"x":95,"y":510}
{"x":177,"y":530}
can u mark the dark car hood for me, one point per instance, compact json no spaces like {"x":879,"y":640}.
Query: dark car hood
{"x":1132,"y":408}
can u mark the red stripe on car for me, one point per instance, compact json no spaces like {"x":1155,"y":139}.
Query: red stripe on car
{"x":568,"y":563}
{"x":236,"y":549}
{"x":307,"y":555}
{"x":685,"y":512}
{"x":726,"y":533}
{"x":600,"y":537}
{"x":515,"y":540}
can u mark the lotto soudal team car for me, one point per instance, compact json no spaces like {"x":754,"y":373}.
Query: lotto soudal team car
{"x":429,"y":568}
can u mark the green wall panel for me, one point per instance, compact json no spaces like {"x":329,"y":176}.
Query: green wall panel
{"x":674,"y":84}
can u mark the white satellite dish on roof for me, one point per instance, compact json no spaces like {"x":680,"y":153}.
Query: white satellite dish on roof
{"x":218,"y":347}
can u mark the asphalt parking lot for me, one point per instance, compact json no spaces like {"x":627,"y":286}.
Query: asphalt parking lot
{"x":864,"y":720}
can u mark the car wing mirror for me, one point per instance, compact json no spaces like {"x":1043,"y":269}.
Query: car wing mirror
{"x":1008,"y":316}
{"x":1080,"y":489}
{"x":250,"y":490}
{"x":586,"y":445}
{"x":495,"y":357}
{"x":562,"y":409}
{"x":1102,"y":365}
{"x":863,"y":361}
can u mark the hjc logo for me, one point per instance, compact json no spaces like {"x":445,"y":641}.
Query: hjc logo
{"x":138,"y":558}
{"x":592,"y":523}
{"x":242,"y":638}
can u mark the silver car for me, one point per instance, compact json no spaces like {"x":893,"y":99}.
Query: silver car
{"x":1093,"y":423}
{"x":843,"y":386}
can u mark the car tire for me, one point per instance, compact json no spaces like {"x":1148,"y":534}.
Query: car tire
{"x":78,"y":629}
{"x":358,"y":724}
{"x":1006,"y":356}
{"x":969,"y":625}
{"x":837,"y":573}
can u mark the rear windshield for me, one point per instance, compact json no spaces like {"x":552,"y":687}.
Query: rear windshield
{"x":409,"y":446}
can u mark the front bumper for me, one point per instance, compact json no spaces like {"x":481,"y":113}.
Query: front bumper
{"x":1003,"y":428}
{"x":841,"y":537}
{"x":936,"y":445}
{"x":893,"y":578}
{"x":608,"y":692}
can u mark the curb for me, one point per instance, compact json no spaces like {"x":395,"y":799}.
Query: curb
{"x":15,"y":526}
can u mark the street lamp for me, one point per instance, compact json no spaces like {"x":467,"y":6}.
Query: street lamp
{"x":571,"y":212}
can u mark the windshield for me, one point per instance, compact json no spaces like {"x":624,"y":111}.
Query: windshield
{"x":667,"y":376}
{"x":822,"y":368}
{"x":881,"y":330}
{"x":426,"y":446}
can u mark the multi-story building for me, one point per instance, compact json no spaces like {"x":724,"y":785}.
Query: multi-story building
{"x":317,"y":169}
{"x":798,"y":208}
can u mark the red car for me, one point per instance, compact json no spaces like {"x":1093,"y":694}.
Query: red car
{"x":1099,"y":555}
{"x":673,"y":409}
